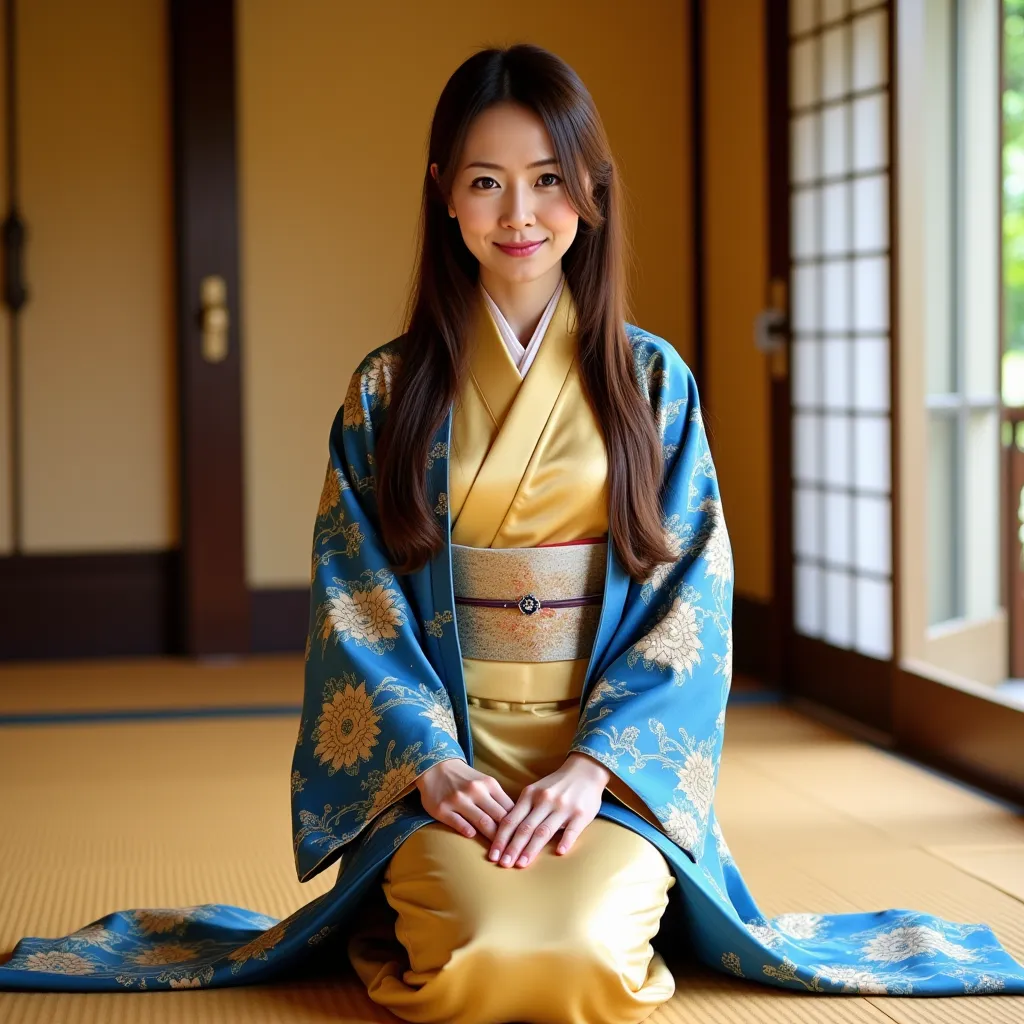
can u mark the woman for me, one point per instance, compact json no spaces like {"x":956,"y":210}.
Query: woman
{"x":520,"y":646}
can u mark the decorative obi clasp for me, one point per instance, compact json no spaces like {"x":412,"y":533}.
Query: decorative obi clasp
{"x":528,"y":604}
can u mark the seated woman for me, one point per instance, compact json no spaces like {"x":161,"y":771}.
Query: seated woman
{"x":520,"y":645}
{"x":568,"y":939}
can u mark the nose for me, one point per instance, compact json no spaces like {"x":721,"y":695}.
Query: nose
{"x":518,"y":211}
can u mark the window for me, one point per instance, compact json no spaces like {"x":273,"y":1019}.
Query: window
{"x":962,"y":342}
{"x":840,"y":273}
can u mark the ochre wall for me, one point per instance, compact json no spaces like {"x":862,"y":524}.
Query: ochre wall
{"x":6,"y":525}
{"x":335,"y":107}
{"x":98,"y":382}
{"x":735,"y":268}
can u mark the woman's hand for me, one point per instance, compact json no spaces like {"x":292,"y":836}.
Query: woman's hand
{"x":569,"y":798}
{"x":461,"y":797}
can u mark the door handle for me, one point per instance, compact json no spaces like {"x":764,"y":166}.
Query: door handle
{"x":214,"y":319}
{"x":771,"y":330}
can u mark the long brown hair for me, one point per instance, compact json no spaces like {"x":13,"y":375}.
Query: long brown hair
{"x":434,"y":347}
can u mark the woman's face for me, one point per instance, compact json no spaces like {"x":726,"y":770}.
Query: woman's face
{"x":509,"y":188}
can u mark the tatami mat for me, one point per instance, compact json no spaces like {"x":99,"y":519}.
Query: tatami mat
{"x":1001,"y":866}
{"x":177,"y":810}
{"x":134,"y":684}
{"x":93,"y":687}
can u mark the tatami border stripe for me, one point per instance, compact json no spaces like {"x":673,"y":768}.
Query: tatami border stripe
{"x":150,"y":714}
{"x":236,"y":711}
{"x":288,"y":710}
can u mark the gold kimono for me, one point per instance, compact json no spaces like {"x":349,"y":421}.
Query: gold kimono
{"x":566,"y":939}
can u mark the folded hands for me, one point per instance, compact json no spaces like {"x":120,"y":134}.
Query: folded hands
{"x":468,"y":801}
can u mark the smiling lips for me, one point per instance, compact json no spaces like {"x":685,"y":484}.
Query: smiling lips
{"x":520,"y":248}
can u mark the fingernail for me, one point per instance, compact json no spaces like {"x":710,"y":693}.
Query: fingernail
{"x":561,"y":849}
{"x":493,"y":855}
{"x":523,"y":861}
{"x":506,"y":860}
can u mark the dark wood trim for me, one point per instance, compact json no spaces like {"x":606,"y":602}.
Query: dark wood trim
{"x":14,"y":291}
{"x":1013,"y":537}
{"x":851,"y":727}
{"x":1012,"y":463}
{"x":851,"y":683}
{"x":280,"y":620}
{"x":976,"y":737}
{"x":753,"y":638}
{"x":88,"y":606}
{"x":698,"y":150}
{"x":779,"y":407}
{"x":215,"y":609}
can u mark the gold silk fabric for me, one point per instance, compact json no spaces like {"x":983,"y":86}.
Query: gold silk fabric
{"x":528,"y":463}
{"x":563,"y":941}
{"x":527,"y":467}
{"x":567,"y":938}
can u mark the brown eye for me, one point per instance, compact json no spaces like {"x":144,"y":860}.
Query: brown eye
{"x":550,"y":175}
{"x":485,"y":178}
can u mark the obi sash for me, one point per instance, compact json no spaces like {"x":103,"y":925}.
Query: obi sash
{"x":528,"y":483}
{"x":535,"y":604}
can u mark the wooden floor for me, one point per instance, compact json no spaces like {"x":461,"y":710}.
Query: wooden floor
{"x":146,"y":783}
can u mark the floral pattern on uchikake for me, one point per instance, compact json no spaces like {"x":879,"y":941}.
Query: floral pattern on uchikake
{"x":366,"y":611}
{"x":380,"y":706}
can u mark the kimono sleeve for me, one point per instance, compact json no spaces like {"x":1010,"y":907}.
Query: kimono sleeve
{"x":375,"y":713}
{"x":656,"y":715}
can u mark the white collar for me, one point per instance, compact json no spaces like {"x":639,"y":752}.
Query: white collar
{"x":523,"y":357}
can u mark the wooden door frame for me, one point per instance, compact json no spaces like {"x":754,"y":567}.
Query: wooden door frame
{"x":855,"y":686}
{"x":776,"y":22}
{"x":215,"y":606}
{"x":125,"y":603}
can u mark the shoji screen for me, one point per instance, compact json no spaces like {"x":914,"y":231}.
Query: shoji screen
{"x":840,"y":317}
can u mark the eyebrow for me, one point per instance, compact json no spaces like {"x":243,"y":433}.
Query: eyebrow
{"x":498,"y":167}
